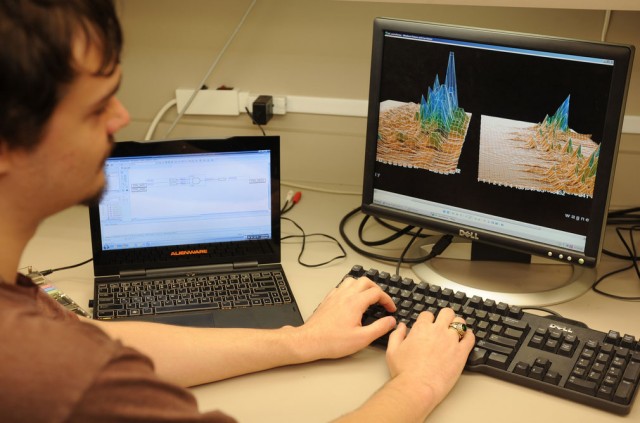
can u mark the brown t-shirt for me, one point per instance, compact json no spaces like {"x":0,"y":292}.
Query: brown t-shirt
{"x":56,"y":368}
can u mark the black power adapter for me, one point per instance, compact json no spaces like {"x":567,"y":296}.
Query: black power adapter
{"x":262,"y":109}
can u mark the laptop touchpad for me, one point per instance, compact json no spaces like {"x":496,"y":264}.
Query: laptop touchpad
{"x":191,"y":319}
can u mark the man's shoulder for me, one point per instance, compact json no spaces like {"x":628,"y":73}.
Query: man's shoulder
{"x":47,"y":363}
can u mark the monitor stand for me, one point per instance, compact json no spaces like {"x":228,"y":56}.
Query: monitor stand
{"x":510,"y":280}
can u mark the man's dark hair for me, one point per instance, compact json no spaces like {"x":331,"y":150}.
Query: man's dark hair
{"x":36,"y":58}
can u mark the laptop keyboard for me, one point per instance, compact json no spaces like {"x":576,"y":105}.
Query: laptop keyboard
{"x":143,"y":297}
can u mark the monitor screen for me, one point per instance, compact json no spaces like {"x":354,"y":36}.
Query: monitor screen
{"x":503,"y":138}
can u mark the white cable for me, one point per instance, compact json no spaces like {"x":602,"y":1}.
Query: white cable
{"x":605,"y":26}
{"x":156,"y":119}
{"x":211,"y":68}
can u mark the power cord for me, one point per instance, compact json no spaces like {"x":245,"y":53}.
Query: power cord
{"x":50,"y":271}
{"x":254,"y":121}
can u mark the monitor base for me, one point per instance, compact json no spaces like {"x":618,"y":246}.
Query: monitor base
{"x":521,"y":284}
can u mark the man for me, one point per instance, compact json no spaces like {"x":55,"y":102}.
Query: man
{"x":59,"y":72}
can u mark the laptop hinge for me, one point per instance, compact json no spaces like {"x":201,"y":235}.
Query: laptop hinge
{"x":186,"y":270}
{"x":245,"y":265}
{"x":189,"y":270}
{"x":133,"y":273}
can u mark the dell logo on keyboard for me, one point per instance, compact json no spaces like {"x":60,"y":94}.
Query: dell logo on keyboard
{"x":469,"y":234}
{"x":189,"y":252}
{"x":562,"y":328}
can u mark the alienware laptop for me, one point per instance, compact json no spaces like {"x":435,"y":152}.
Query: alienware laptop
{"x":188,"y":233}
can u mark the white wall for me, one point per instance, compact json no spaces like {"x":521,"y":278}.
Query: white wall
{"x":318,"y":48}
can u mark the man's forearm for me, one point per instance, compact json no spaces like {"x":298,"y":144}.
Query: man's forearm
{"x":395,"y":402}
{"x":191,"y":356}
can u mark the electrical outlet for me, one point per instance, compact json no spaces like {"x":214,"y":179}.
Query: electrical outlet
{"x":209,"y":102}
{"x":279,"y":105}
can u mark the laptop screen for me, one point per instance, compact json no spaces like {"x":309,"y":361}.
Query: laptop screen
{"x":186,"y":199}
{"x":181,"y":203}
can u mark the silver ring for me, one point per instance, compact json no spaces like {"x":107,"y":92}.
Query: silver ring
{"x":459,"y":327}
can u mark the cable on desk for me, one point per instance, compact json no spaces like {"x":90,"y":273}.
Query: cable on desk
{"x":595,"y":288}
{"x":50,"y":271}
{"x":623,"y":217}
{"x":391,"y":227}
{"x":546,"y":310}
{"x":404,"y":252}
{"x":304,"y":237}
{"x":398,"y":233}
{"x":623,"y":214}
{"x":632,"y":255}
{"x":291,"y":200}
{"x":441,"y":245}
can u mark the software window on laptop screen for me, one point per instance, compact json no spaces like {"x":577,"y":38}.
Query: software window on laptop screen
{"x":193,"y":199}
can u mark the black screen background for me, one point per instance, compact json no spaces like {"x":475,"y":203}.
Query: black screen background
{"x":506,"y":85}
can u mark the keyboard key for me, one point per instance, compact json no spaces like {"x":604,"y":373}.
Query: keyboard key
{"x":501,"y":340}
{"x":495,"y":348}
{"x":552,"y":377}
{"x":521,"y":368}
{"x":498,"y":360}
{"x":632,"y":373}
{"x":628,"y":341}
{"x":624,"y":392}
{"x":477,"y":356}
{"x":613,"y":337}
{"x":581,"y":385}
{"x":536,"y":372}
{"x":605,"y":392}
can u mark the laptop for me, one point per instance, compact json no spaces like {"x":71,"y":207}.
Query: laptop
{"x":188,"y":233}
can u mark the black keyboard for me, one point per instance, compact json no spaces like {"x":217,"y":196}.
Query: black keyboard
{"x":161,"y":296}
{"x":556,"y":355}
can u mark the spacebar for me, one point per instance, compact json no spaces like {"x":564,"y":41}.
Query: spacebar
{"x":186,"y":307}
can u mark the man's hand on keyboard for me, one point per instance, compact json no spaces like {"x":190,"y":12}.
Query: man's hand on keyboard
{"x":335,"y":328}
{"x":431,"y":356}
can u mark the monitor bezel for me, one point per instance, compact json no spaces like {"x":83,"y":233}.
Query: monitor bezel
{"x":623,"y":56}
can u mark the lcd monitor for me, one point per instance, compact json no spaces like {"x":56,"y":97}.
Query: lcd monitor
{"x":504,"y":139}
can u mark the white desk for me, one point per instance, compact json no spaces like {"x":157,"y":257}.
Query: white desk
{"x":321,"y":391}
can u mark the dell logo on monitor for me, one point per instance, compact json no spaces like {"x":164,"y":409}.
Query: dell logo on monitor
{"x":469,"y":234}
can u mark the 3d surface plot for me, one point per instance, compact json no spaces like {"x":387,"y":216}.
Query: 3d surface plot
{"x":428,"y":135}
{"x":546,"y":157}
